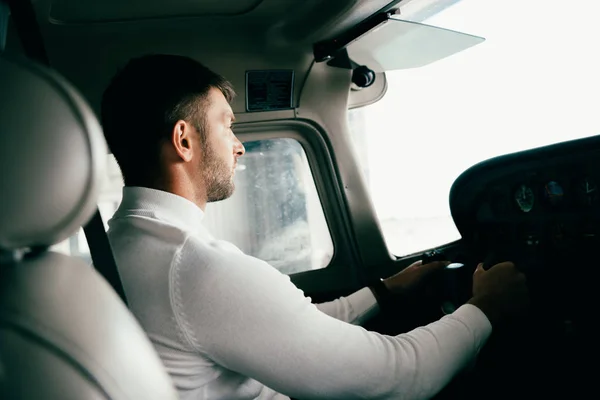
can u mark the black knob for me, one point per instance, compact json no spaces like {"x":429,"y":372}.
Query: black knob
{"x":363,"y":76}
{"x":452,"y":293}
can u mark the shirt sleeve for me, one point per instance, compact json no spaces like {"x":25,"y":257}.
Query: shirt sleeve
{"x":248,"y":317}
{"x":356,"y":308}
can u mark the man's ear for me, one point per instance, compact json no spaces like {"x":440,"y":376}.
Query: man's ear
{"x":181,"y":139}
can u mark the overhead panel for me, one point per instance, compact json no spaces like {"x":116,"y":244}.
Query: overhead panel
{"x":87,"y":11}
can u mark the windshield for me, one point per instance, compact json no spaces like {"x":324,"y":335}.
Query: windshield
{"x":532,"y":82}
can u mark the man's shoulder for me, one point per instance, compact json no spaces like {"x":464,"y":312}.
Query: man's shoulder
{"x":221,"y":258}
{"x":142,"y":227}
{"x":206,"y":272}
{"x":214,"y":250}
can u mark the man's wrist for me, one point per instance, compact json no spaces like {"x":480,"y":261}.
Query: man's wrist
{"x":488,"y":308}
{"x":382,"y":294}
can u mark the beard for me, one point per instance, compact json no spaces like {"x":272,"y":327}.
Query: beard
{"x":218,"y":178}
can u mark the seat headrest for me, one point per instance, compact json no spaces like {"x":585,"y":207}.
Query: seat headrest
{"x":52,"y":157}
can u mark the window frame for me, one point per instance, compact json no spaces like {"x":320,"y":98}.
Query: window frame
{"x":345,"y":261}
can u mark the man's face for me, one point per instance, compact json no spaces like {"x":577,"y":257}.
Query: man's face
{"x":221,"y":148}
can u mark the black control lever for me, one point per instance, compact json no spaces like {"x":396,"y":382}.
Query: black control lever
{"x":451,"y":291}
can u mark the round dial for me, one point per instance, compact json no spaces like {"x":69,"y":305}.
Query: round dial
{"x":524,"y":198}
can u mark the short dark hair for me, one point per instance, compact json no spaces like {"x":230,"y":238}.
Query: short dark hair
{"x":144,"y":101}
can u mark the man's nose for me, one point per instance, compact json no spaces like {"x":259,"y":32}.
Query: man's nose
{"x":239,"y":148}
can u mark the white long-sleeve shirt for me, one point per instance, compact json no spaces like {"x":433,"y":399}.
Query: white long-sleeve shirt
{"x":230,"y":326}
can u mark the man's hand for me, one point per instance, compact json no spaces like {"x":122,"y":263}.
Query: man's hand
{"x":500,"y":292}
{"x":413,"y":277}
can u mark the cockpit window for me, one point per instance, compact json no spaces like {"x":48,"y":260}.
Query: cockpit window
{"x":533,"y":82}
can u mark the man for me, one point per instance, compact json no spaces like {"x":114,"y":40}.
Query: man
{"x":227,"y":325}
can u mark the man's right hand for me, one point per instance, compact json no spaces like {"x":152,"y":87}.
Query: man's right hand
{"x":500,"y":292}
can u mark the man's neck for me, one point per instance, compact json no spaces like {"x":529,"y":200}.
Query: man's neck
{"x":184,"y":188}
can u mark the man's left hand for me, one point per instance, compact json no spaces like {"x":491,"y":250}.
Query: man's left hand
{"x":413,"y":277}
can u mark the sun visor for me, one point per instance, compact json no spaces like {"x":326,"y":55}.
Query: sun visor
{"x":386,"y":42}
{"x":400,"y":44}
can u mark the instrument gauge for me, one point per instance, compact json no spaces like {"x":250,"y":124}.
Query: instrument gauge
{"x":525,"y":198}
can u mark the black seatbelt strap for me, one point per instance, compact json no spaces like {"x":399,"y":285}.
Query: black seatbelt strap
{"x":4,"y":15}
{"x":102,"y":255}
{"x":24,"y":19}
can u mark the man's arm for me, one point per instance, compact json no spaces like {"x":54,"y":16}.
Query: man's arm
{"x":357,"y":308}
{"x":249,"y":318}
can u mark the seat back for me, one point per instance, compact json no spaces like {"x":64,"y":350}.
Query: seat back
{"x":64,"y":333}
